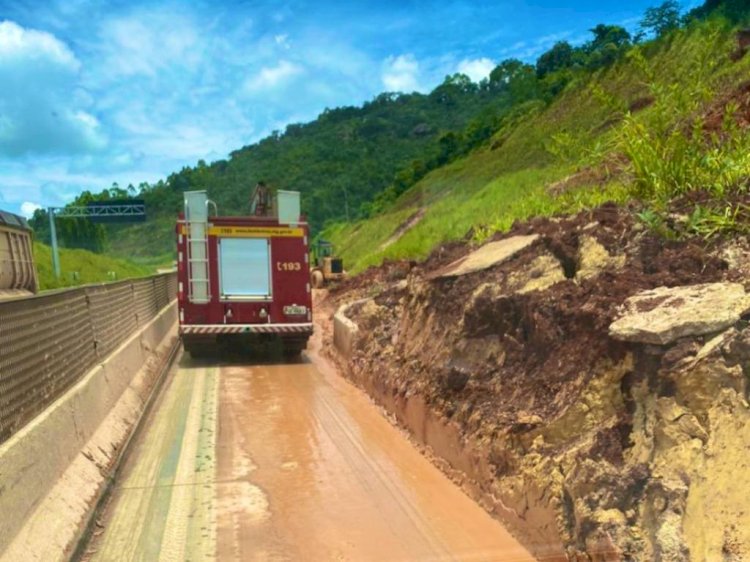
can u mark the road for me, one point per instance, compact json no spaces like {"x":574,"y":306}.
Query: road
{"x":284,"y":462}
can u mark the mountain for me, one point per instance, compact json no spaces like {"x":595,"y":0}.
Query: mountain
{"x":404,"y":172}
{"x":665,"y":126}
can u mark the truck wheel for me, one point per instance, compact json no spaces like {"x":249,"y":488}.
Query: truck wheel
{"x":317,"y":279}
{"x":293,"y":348}
{"x":292,"y":353}
{"x":200,"y":350}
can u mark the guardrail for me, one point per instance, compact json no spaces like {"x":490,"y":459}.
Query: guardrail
{"x":49,"y":341}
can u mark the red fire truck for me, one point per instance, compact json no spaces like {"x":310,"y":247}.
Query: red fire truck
{"x":243,"y":281}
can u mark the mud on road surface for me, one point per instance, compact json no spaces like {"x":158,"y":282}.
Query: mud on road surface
{"x":285,"y":462}
{"x":590,"y":445}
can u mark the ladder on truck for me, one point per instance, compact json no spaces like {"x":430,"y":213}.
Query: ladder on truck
{"x":196,"y":226}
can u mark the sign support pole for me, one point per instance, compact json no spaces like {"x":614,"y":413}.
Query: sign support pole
{"x":53,"y":236}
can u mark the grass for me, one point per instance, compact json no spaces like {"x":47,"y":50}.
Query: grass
{"x":81,"y":267}
{"x":588,"y":125}
{"x":151,"y":242}
{"x":490,"y":208}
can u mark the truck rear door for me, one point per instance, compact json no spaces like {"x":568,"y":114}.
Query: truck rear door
{"x":245,"y":269}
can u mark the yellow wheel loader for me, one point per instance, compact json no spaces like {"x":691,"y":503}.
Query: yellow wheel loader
{"x":326,"y":267}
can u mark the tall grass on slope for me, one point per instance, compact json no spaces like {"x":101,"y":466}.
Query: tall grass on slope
{"x":80,"y":267}
{"x":674,"y":151}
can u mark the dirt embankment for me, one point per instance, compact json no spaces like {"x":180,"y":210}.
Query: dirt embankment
{"x":587,"y":446}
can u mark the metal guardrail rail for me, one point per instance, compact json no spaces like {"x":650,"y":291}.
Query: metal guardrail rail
{"x":49,"y":341}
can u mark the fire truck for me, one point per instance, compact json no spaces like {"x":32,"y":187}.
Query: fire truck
{"x":243,"y":282}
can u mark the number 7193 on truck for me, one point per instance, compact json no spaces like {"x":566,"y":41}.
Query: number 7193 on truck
{"x":243,"y":281}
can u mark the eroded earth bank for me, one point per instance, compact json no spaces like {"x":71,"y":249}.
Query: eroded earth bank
{"x":585,"y":380}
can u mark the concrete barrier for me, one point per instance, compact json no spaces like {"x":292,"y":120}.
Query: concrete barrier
{"x":54,"y":470}
{"x":344,"y":330}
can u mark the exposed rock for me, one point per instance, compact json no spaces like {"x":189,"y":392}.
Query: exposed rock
{"x":593,"y":258}
{"x":488,"y":255}
{"x":538,"y":275}
{"x":663,"y":315}
{"x":737,"y":350}
{"x":699,"y":385}
{"x":489,"y":303}
{"x":737,"y":256}
{"x":368,"y":314}
{"x":717,"y":520}
{"x":421,"y":130}
{"x":455,"y":377}
{"x":584,"y":446}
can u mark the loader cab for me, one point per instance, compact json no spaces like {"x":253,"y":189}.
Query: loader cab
{"x":325,"y":258}
{"x":321,"y":250}
{"x":327,"y":267}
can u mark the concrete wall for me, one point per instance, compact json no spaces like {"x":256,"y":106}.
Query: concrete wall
{"x":48,"y":342}
{"x":54,"y":469}
{"x":344,"y":330}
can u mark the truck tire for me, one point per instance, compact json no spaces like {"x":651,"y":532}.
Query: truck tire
{"x":317,"y":279}
{"x":292,"y":348}
{"x":200,"y":350}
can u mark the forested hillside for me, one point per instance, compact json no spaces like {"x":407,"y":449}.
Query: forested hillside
{"x":339,"y":162}
{"x":664,"y":128}
{"x":395,"y":155}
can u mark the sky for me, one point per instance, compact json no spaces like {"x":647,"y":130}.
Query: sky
{"x":94,"y":92}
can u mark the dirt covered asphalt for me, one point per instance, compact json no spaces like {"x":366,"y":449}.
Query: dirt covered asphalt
{"x":590,"y":440}
{"x":285,"y":462}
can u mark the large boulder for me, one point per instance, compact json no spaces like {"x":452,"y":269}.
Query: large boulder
{"x":489,"y":255}
{"x":663,"y":315}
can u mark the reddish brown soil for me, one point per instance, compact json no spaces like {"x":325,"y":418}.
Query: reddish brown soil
{"x":740,"y":96}
{"x":535,"y":329}
{"x":614,"y":166}
{"x":501,"y":365}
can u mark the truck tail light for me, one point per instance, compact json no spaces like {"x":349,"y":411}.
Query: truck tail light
{"x":180,"y":292}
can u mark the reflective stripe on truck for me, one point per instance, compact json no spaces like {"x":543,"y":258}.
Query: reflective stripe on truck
{"x":305,"y":328}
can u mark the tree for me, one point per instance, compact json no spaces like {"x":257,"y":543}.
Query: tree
{"x":453,"y":89}
{"x":515,"y":78}
{"x":609,"y":34}
{"x":662,"y":19}
{"x":506,"y":71}
{"x":449,"y":145}
{"x":558,"y":57}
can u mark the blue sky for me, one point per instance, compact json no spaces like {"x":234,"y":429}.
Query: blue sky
{"x":94,"y":92}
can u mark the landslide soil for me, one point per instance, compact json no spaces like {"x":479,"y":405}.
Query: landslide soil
{"x":588,"y":448}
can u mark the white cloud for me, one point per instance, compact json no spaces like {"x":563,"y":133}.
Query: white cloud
{"x":148,"y":42}
{"x":530,"y":51}
{"x":272,"y":76}
{"x":400,"y":74}
{"x":476,"y":69}
{"x":28,"y":45}
{"x":40,"y":96}
{"x":282,"y":40}
{"x":28,"y":208}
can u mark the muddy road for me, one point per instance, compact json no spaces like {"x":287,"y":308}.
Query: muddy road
{"x":284,"y":462}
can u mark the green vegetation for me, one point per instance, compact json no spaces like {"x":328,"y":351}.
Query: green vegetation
{"x":619,"y":117}
{"x":635,"y":130}
{"x":81,"y":267}
{"x":673,"y":157}
{"x":354,"y":162}
{"x":339,"y":163}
